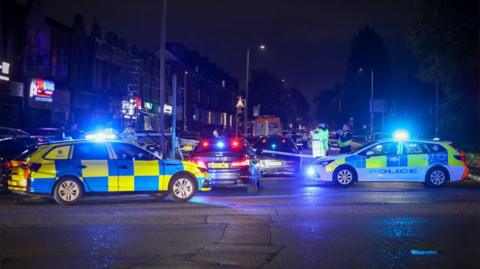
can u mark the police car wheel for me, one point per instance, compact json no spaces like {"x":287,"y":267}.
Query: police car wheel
{"x":344,"y":176}
{"x":68,"y":191}
{"x":436,"y":177}
{"x":182,"y":188}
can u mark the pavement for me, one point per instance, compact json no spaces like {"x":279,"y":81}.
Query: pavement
{"x":292,"y":223}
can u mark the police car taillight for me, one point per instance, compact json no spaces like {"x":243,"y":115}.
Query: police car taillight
{"x":32,"y":166}
{"x":202,"y":166}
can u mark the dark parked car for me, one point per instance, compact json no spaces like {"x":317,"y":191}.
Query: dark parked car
{"x":276,"y":155}
{"x":50,"y":134}
{"x":10,"y":149}
{"x":6,"y":132}
{"x":231,"y":162}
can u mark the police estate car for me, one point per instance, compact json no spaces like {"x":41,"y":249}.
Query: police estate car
{"x":67,"y":170}
{"x":432,"y":162}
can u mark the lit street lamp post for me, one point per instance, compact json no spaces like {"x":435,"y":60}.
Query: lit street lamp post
{"x":245,"y":119}
{"x":371,"y":100}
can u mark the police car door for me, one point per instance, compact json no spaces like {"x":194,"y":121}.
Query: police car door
{"x":137,"y":169}
{"x":416,"y":159}
{"x":94,"y":162}
{"x":382,"y":162}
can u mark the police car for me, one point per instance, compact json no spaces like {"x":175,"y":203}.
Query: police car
{"x":432,"y":162}
{"x":67,"y":170}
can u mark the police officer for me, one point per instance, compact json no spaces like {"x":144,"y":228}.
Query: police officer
{"x":345,"y":139}
{"x":320,"y":141}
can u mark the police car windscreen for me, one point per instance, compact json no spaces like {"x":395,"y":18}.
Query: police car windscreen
{"x":364,"y":146}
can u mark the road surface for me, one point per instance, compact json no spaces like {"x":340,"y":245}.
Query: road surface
{"x":292,"y":224}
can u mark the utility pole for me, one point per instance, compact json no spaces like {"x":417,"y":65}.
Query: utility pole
{"x":246,"y":91}
{"x":162,"y":73}
{"x":174,"y":116}
{"x":185,"y":100}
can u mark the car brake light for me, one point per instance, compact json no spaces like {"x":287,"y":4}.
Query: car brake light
{"x":235,"y":143}
{"x":241,"y":163}
{"x":5,"y":165}
{"x":205,"y":144}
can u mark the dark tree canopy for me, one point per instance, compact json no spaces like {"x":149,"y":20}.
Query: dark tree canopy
{"x":367,"y":52}
{"x":274,"y":98}
{"x":443,"y":36}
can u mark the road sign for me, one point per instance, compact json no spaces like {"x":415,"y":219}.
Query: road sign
{"x":240,"y":103}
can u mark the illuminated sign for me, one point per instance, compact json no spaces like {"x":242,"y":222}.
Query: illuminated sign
{"x":130,"y":106}
{"x":4,"y":71}
{"x":167,"y":109}
{"x":42,"y":90}
{"x":148,"y":105}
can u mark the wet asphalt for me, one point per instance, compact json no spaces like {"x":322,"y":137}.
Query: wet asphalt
{"x":292,"y":223}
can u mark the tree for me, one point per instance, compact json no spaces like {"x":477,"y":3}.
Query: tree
{"x":367,"y":53}
{"x":443,"y":36}
{"x":268,"y":91}
{"x":328,"y":106}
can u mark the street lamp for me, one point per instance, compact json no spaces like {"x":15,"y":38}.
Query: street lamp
{"x":371,"y":100}
{"x":261,"y":47}
{"x":185,"y":101}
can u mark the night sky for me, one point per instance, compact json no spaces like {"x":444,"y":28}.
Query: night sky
{"x":308,"y":41}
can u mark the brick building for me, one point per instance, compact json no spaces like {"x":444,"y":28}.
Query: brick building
{"x":60,"y":75}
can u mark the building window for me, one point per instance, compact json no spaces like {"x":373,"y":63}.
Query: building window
{"x":209,"y":117}
{"x":231,"y":120}
{"x":224,"y":119}
{"x":223,"y":83}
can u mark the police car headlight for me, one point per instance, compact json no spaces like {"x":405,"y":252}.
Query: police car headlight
{"x":310,"y":171}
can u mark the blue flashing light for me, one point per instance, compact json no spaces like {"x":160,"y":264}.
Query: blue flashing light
{"x":274,"y":146}
{"x":100,"y":136}
{"x":401,"y":135}
{"x":220,"y":144}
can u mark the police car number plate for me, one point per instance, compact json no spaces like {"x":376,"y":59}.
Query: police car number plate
{"x":187,"y":148}
{"x":218,"y":165}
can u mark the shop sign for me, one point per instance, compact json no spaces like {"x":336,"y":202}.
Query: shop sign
{"x":41,"y":90}
{"x":148,"y":105}
{"x":167,"y":109}
{"x":130,"y":107}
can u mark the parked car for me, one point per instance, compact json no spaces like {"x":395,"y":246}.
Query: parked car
{"x":6,"y":132}
{"x":231,"y":162}
{"x":276,"y":155}
{"x":10,"y":149}
{"x":50,"y":134}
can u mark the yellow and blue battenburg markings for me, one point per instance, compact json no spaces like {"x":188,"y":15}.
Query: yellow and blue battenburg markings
{"x":113,"y":175}
{"x":411,"y":160}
